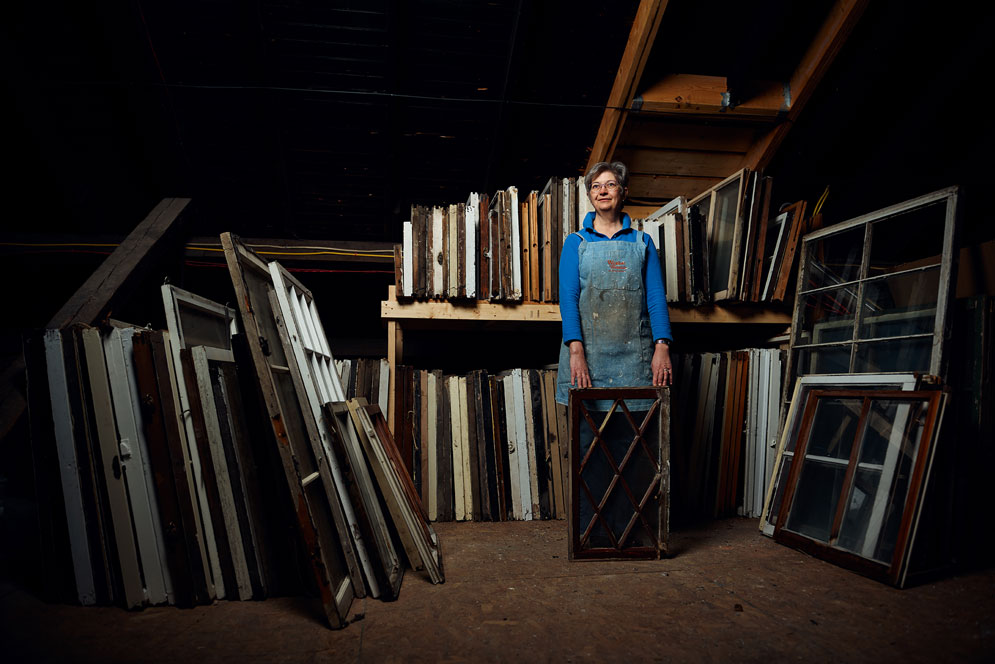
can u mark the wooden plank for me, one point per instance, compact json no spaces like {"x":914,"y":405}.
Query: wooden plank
{"x":136,"y":466}
{"x":514,"y":449}
{"x":517,"y":291}
{"x":472,"y":220}
{"x":168,"y":465}
{"x":667,"y":187}
{"x":708,"y":95}
{"x":436,"y":285}
{"x":460,"y":273}
{"x":472,"y":449}
{"x":535,"y":259}
{"x":444,"y":447}
{"x":486,"y":248}
{"x":687,"y":135}
{"x":117,"y":276}
{"x":498,"y":440}
{"x":526,"y":255}
{"x":822,"y":51}
{"x":419,"y":539}
{"x":217,"y":483}
{"x":797,"y":216}
{"x":243,"y":479}
{"x":113,"y":477}
{"x":525,"y":463}
{"x":431,"y":476}
{"x":419,"y":238}
{"x":637,"y":50}
{"x":531,"y":446}
{"x":76,"y":517}
{"x":662,"y":162}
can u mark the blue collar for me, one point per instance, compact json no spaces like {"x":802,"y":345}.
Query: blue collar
{"x":589,"y":223}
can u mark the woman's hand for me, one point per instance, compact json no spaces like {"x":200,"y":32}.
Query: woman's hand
{"x":663,"y":373}
{"x":579,"y":375}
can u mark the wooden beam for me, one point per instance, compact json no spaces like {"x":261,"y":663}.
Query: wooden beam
{"x":835,"y":30}
{"x":705,"y":95}
{"x":630,"y":70}
{"x":667,"y":187}
{"x":113,"y":280}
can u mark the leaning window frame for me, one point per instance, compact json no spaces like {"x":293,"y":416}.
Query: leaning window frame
{"x":947,"y":267}
{"x":894,"y":571}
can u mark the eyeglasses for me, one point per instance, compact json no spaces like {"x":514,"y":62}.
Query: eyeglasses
{"x":609,"y":186}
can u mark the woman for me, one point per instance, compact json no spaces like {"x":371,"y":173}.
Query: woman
{"x":616,"y":326}
{"x":616,"y":333}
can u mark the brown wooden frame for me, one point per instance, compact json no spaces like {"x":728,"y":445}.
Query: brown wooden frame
{"x":893,"y":572}
{"x":659,"y":488}
{"x":322,"y":526}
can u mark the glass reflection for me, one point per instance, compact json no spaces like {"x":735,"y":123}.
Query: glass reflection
{"x":900,"y":305}
{"x":828,"y":316}
{"x":834,"y":259}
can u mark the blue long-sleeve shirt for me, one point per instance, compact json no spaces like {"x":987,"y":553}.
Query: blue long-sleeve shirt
{"x":656,"y":297}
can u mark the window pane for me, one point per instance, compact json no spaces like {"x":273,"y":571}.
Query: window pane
{"x":834,"y":428}
{"x":201,"y":328}
{"x":828,"y":316}
{"x":907,"y":240}
{"x":830,"y":440}
{"x":893,"y":355}
{"x":876,"y":503}
{"x":900,"y":306}
{"x":834,"y":359}
{"x":815,"y":500}
{"x":835,"y":259}
{"x":722,"y":231}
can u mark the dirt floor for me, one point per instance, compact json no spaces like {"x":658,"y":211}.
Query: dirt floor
{"x":727,"y":593}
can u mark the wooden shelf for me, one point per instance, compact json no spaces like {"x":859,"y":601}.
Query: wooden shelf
{"x":441,"y":314}
{"x":392,"y":310}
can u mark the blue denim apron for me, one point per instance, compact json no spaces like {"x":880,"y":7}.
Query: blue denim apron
{"x":618,"y":339}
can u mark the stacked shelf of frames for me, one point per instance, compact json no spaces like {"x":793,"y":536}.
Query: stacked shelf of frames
{"x":442,"y":315}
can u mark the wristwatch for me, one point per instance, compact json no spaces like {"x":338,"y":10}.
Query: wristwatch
{"x":663,"y":341}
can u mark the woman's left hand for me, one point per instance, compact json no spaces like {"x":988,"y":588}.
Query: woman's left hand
{"x":663,"y":373}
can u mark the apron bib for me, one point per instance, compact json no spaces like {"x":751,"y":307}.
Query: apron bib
{"x":618,"y":339}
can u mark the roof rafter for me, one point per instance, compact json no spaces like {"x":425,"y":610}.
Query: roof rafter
{"x":637,"y":49}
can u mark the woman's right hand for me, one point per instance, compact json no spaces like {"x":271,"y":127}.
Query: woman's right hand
{"x":579,"y":375}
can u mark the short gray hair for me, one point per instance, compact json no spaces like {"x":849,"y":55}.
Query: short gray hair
{"x":617,"y":168}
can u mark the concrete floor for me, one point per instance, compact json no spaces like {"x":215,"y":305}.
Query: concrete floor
{"x":728,"y":593}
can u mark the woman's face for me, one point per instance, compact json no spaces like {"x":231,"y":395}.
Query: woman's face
{"x":606,"y":194}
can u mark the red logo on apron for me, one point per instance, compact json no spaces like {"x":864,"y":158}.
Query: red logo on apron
{"x":616,"y":266}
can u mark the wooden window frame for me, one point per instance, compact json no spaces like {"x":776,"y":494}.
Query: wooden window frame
{"x":288,"y":420}
{"x":410,"y":520}
{"x":895,"y":570}
{"x":796,"y":408}
{"x":947,"y":269}
{"x":660,"y":486}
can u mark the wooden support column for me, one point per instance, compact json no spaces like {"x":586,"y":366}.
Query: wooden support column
{"x":630,"y":70}
{"x":395,"y":355}
{"x":839,"y":23}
